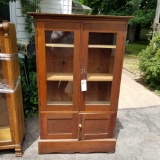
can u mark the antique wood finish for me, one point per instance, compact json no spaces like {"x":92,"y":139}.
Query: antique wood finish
{"x":71,"y":48}
{"x":71,"y":146}
{"x":11,"y":134}
{"x":11,"y":73}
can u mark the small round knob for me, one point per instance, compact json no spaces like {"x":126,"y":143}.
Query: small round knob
{"x":80,"y":125}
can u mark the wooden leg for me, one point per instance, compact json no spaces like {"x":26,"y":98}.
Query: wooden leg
{"x":18,"y":151}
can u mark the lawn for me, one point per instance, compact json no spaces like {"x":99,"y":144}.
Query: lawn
{"x":131,"y":61}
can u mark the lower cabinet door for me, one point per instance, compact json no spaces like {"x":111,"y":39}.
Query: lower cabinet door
{"x":93,"y":126}
{"x":59,"y":126}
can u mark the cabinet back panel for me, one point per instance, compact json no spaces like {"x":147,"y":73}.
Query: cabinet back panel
{"x":102,"y":38}
{"x":60,"y":91}
{"x":99,"y":60}
{"x":59,"y":60}
{"x":59,"y":37}
{"x":98,"y":91}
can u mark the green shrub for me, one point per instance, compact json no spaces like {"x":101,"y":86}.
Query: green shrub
{"x":150,"y":62}
{"x":29,"y":91}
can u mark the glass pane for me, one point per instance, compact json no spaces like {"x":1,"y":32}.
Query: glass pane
{"x":59,"y":67}
{"x":98,"y":92}
{"x":59,"y":92}
{"x":1,"y":73}
{"x":4,"y":120}
{"x":101,"y":55}
{"x":59,"y":60}
{"x":59,"y":37}
{"x":100,"y":60}
{"x":102,"y":38}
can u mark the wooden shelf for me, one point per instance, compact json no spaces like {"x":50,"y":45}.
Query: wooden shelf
{"x":59,"y":45}
{"x":71,"y":45}
{"x":99,"y":77}
{"x":5,"y":133}
{"x":102,"y":46}
{"x":59,"y":77}
{"x":59,"y":103}
{"x":97,"y":103}
{"x":69,"y":77}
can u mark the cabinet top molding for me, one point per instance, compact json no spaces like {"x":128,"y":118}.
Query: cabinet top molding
{"x":79,"y":17}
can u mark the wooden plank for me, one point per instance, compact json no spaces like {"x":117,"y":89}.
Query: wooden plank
{"x":102,"y":46}
{"x":59,"y":45}
{"x":70,"y":146}
{"x":59,"y":76}
{"x":71,"y":45}
{"x":59,"y":103}
{"x":97,"y":103}
{"x":69,"y":77}
{"x":99,"y":77}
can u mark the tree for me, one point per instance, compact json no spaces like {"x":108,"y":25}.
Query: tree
{"x":156,"y":25}
{"x":5,"y":2}
{"x":142,"y":10}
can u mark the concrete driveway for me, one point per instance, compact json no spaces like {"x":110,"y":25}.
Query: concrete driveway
{"x":137,"y":132}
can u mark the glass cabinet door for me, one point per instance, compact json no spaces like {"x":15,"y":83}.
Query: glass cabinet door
{"x":59,"y":46}
{"x":5,"y":134}
{"x":100,"y":63}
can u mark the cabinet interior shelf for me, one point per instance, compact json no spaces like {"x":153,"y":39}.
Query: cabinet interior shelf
{"x":69,"y":77}
{"x":60,"y":103}
{"x":97,"y":103}
{"x":102,"y":46}
{"x":71,"y":45}
{"x":59,"y":45}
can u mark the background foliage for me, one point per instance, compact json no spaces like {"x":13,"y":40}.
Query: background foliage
{"x":29,"y":6}
{"x":150,"y":62}
{"x":141,"y":9}
{"x":29,"y":90}
{"x":5,"y":2}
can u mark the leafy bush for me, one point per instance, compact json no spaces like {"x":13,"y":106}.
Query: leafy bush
{"x":150,"y":62}
{"x":29,"y":91}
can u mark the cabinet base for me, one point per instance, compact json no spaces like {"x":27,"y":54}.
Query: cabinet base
{"x":17,"y":147}
{"x":71,"y":146}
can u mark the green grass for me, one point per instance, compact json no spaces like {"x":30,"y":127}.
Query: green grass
{"x":131,"y":61}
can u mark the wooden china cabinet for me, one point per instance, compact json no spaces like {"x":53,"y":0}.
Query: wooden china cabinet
{"x":12,"y":126}
{"x":79,"y":64}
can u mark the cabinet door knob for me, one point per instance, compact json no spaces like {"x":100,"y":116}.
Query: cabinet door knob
{"x":80,"y":126}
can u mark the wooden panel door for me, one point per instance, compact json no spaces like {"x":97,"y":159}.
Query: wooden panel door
{"x":93,"y":126}
{"x":59,"y":125}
